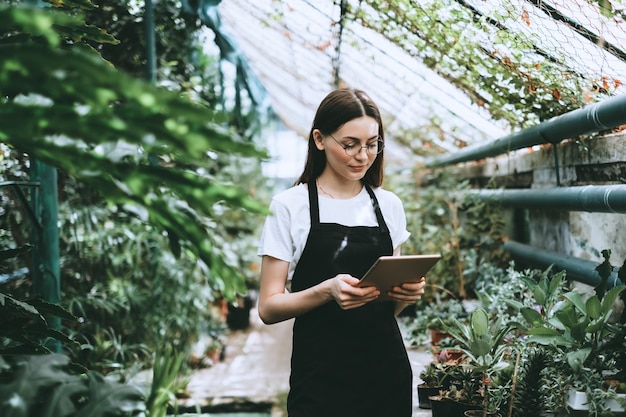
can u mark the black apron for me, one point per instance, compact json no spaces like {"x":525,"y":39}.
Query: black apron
{"x":352,"y":362}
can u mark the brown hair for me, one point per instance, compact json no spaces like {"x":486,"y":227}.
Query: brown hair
{"x":337,"y":108}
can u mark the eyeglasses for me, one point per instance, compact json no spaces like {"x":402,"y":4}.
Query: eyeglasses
{"x":352,"y":149}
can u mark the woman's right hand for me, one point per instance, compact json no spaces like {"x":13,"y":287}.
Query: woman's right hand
{"x":344,"y":290}
{"x":276,"y":304}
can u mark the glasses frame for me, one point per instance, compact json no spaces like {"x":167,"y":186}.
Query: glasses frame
{"x":381,"y":145}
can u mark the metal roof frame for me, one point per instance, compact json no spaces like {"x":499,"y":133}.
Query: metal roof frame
{"x":301,"y":49}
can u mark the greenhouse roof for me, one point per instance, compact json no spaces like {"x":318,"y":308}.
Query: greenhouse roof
{"x":445,"y":73}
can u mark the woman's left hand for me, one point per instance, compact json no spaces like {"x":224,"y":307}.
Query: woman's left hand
{"x":409,"y":292}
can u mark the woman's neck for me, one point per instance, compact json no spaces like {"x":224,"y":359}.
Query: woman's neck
{"x":338,"y":190}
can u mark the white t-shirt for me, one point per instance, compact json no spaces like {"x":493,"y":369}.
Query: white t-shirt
{"x":286,"y":230}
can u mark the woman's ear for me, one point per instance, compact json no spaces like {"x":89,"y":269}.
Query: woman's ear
{"x":318,"y":138}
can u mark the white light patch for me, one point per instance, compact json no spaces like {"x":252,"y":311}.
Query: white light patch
{"x":341,"y":247}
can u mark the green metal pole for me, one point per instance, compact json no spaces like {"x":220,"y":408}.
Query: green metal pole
{"x":46,"y":269}
{"x":150,"y":41}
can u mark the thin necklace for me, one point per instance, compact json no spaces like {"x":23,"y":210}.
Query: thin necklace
{"x":323,"y":190}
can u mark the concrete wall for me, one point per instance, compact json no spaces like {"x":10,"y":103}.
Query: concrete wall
{"x":597,"y":161}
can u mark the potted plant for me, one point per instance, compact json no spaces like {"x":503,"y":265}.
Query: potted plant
{"x":451,"y":398}
{"x":440,"y":315}
{"x":448,"y":349}
{"x":528,"y":389}
{"x":483,"y":345}
{"x":465,"y":392}
{"x":435,"y":377}
{"x":426,"y":325}
{"x":584,"y":338}
{"x":616,"y":354}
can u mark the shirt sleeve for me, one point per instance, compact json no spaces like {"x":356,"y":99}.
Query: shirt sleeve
{"x":397,"y":224}
{"x":276,"y":237}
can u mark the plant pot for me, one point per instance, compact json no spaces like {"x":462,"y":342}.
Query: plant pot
{"x":481,"y":413}
{"x":448,"y":354}
{"x":238,"y":317}
{"x":424,"y":392}
{"x":446,"y":407}
{"x":578,"y":407}
{"x":439,"y":407}
{"x":436,"y":336}
{"x":458,"y":408}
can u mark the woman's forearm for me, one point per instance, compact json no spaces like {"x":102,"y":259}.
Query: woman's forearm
{"x":284,"y":306}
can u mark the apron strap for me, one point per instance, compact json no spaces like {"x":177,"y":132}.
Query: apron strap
{"x":379,"y":215}
{"x":314,"y":209}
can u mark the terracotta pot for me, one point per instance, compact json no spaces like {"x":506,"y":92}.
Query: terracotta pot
{"x":448,"y":354}
{"x":436,"y":336}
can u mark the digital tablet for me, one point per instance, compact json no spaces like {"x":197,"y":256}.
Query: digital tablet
{"x":390,"y":271}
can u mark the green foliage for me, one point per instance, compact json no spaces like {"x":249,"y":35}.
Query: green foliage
{"x":529,"y":396}
{"x":129,"y":290}
{"x":155,"y":209}
{"x":168,"y":363}
{"x":615,"y":350}
{"x":610,"y":8}
{"x":443,"y":218}
{"x":501,"y":70}
{"x":466,"y":386}
{"x":176,"y":41}
{"x":503,"y":292}
{"x":580,"y":334}
{"x":433,"y":314}
{"x":483,"y":342}
{"x":182,"y":61}
{"x":44,"y":386}
{"x":580,"y":327}
{"x":77,"y":94}
{"x":567,"y":341}
{"x":24,"y":325}
{"x":438,"y":374}
{"x":443,"y":312}
{"x":605,"y":269}
{"x":430,"y":375}
{"x":481,"y":339}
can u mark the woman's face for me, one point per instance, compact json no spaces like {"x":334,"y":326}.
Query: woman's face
{"x":355,"y":135}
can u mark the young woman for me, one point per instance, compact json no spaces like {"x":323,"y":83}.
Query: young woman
{"x":323,"y":234}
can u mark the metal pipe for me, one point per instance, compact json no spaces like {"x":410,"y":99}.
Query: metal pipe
{"x":576,"y":269}
{"x":596,"y":117}
{"x":590,"y":198}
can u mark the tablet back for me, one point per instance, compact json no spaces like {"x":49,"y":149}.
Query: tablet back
{"x":390,"y":271}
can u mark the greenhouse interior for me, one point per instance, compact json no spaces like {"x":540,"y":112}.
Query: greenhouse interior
{"x":142,"y":143}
